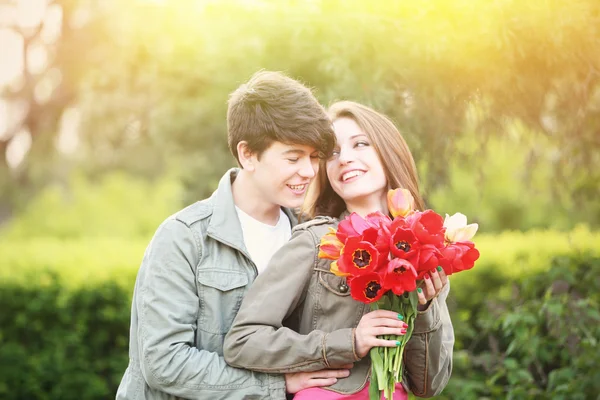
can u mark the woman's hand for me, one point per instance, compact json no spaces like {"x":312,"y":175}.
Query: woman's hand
{"x":433,"y":283}
{"x":376,"y":323}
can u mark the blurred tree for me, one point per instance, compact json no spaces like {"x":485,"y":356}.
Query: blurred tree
{"x":55,"y":42}
{"x":151,"y":80}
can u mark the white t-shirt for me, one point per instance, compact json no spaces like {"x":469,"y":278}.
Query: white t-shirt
{"x":263,"y":240}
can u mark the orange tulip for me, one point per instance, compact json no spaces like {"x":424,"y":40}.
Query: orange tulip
{"x":331,"y":247}
{"x":400,"y":202}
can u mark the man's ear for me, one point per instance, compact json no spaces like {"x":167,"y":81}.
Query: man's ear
{"x":247,"y":157}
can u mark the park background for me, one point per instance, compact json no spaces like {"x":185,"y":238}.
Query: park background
{"x":112,"y":117}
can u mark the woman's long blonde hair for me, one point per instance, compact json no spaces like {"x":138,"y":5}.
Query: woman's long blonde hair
{"x":394,"y":155}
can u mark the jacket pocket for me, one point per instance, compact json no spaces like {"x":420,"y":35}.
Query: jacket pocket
{"x":334,"y":308}
{"x":333,"y":283}
{"x":220,"y":292}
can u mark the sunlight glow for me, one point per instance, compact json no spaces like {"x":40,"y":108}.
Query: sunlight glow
{"x":30,"y":13}
{"x":11,"y":56}
{"x":68,"y":138}
{"x":18,"y":148}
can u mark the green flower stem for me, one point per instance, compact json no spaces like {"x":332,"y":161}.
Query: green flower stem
{"x":386,"y":362}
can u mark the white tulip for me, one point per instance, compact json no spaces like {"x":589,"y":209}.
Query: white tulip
{"x":457,"y":229}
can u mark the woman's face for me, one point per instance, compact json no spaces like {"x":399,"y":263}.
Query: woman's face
{"x":354,"y":170}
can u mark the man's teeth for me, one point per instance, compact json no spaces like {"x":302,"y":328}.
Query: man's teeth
{"x":297,"y":187}
{"x":351,"y":174}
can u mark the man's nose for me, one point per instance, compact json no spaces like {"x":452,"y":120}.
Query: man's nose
{"x":308,"y":168}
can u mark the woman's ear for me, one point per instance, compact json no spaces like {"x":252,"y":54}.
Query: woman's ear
{"x":247,"y":157}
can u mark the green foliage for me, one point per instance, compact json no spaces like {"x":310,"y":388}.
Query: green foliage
{"x":506,"y":259}
{"x":498,"y":100}
{"x":500,"y":187}
{"x":76,"y":262}
{"x":542,"y":343}
{"x":57,"y":344}
{"x":153,"y":95}
{"x":65,"y":316}
{"x":113,"y":206}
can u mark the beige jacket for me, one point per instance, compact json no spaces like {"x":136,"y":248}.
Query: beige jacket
{"x":298,"y":316}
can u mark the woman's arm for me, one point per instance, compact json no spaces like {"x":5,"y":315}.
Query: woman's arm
{"x":258,"y":340}
{"x":428,"y":354}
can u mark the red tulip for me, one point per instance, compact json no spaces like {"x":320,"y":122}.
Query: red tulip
{"x":400,"y":276}
{"x":428,"y":227}
{"x":358,"y":257}
{"x":367,"y":288}
{"x":458,"y":257}
{"x":428,"y":257}
{"x":403,"y":243}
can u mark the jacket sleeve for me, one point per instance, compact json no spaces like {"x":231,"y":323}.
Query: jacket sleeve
{"x":428,"y":353}
{"x":259,"y":341}
{"x":168,"y":307}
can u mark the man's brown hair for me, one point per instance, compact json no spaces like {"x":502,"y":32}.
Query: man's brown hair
{"x":273,"y":107}
{"x":394,"y":155}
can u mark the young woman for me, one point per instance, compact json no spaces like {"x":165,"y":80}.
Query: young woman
{"x":299,"y":316}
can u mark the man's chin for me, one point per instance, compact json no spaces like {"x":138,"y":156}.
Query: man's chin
{"x":292,"y":203}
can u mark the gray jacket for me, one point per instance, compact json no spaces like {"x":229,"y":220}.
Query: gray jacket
{"x":189,"y":288}
{"x":299,"y":316}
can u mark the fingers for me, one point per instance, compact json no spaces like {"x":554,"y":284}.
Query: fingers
{"x":302,"y":380}
{"x":325,"y":377}
{"x":378,"y":323}
{"x":421,"y":294}
{"x":433,"y":282}
{"x":382,"y":318}
{"x":386,"y":342}
{"x":428,"y":291}
{"x":329,"y":373}
{"x":319,"y":382}
{"x":443,"y":276}
{"x":436,"y":279}
{"x":384,"y":330}
{"x":384,"y":315}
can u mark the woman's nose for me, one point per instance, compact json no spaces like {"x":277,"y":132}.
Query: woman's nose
{"x":345,"y":155}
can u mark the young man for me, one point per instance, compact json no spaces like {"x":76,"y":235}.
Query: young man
{"x":202,"y":260}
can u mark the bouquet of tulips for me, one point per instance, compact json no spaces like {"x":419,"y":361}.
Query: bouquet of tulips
{"x":384,"y":259}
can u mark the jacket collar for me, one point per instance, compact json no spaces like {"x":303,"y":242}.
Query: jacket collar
{"x":225,"y":224}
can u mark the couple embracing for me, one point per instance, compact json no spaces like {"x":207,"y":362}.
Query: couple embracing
{"x":232,"y":301}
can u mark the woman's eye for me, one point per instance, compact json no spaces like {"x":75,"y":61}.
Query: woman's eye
{"x":293,"y":160}
{"x":361,"y":144}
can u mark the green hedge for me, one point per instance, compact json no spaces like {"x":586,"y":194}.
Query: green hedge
{"x":64,"y":324}
{"x":57,"y":344}
{"x":87,"y":260}
{"x":542,"y":343}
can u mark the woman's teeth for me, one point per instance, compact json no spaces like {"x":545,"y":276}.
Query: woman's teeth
{"x":351,"y":174}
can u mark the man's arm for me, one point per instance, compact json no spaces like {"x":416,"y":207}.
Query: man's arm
{"x":168,"y":307}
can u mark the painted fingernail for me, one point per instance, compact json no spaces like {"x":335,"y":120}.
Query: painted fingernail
{"x":427,"y":276}
{"x":433,"y":271}
{"x":398,"y":343}
{"x":404,"y":325}
{"x":400,"y":317}
{"x":419,"y":290}
{"x":403,"y":332}
{"x":439,"y":268}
